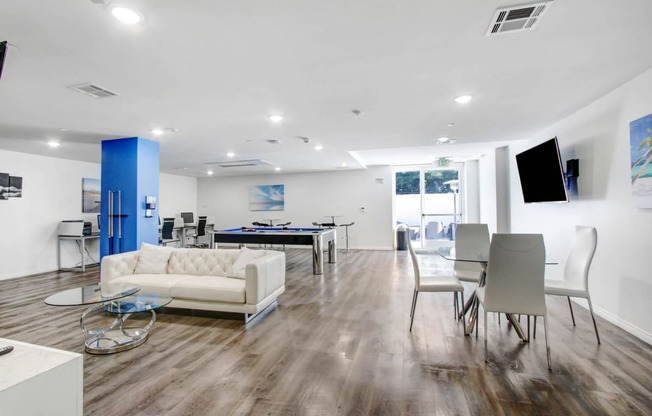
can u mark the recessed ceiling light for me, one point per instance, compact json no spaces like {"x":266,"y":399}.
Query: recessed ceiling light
{"x":319,"y":147}
{"x":157,"y":132}
{"x":126,"y":15}
{"x":451,"y":124}
{"x":445,"y":140}
{"x":463,"y":99}
{"x":344,"y":165}
{"x":62,"y":129}
{"x":210,"y":172}
{"x":54,"y":143}
{"x":275,"y":118}
{"x":277,"y":168}
{"x":230,"y":154}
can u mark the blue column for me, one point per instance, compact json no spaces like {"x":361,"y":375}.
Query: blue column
{"x":130,"y":170}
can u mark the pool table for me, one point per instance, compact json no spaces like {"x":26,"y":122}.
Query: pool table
{"x":315,"y":237}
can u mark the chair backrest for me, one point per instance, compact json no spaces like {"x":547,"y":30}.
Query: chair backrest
{"x":515,"y":274}
{"x":434,"y":229}
{"x":471,"y":240}
{"x":168,"y":226}
{"x":413,"y":256}
{"x":580,"y":256}
{"x":201,"y":226}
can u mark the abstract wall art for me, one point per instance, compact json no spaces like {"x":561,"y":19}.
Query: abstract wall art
{"x":267,"y":198}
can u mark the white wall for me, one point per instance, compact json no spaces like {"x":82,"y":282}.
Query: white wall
{"x":598,"y":135}
{"x":177,"y":194}
{"x":51,"y":193}
{"x":310,"y":197}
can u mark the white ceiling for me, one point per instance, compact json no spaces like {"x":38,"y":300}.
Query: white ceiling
{"x":216,"y":69}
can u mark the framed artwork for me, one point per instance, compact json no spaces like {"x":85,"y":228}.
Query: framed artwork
{"x":4,"y":186}
{"x":267,"y":198}
{"x":640,"y":139}
{"x":91,"y":195}
{"x":15,"y":186}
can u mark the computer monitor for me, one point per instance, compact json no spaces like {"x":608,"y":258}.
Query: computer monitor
{"x":187,"y":217}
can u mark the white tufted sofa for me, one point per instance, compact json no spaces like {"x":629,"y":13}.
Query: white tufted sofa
{"x":226,"y":280}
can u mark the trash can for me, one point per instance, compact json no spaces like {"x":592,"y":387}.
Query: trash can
{"x":402,"y":235}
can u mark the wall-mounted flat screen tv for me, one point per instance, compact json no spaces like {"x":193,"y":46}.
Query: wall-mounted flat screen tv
{"x":541,"y":173}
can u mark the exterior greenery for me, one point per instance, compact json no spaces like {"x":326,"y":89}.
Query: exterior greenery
{"x":407,"y":183}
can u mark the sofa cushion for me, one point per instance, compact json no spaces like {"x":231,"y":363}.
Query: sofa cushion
{"x":210,"y":288}
{"x":153,"y":283}
{"x":238,"y":268}
{"x":153,"y":259}
{"x":198,"y":262}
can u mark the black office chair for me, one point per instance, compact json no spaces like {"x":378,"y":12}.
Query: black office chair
{"x":199,"y":232}
{"x":167,"y":236}
{"x":260,"y":224}
{"x":284,"y":225}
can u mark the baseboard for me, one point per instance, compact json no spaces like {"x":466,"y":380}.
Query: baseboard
{"x":620,"y":323}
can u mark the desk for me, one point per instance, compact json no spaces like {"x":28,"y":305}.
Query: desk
{"x":472,"y":304}
{"x":183,"y":232}
{"x":315,"y":237}
{"x":82,"y":241}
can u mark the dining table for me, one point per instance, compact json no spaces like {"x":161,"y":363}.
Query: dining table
{"x":472,"y":304}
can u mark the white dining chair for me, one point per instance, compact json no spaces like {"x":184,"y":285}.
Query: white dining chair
{"x":515,"y":279}
{"x":471,"y":240}
{"x":434,"y":283}
{"x":576,"y":271}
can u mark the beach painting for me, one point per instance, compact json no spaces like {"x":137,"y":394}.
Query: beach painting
{"x":640,"y":139}
{"x":267,"y":198}
{"x":91,"y":195}
{"x":4,"y":186}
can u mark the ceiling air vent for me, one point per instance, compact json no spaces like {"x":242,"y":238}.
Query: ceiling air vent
{"x":93,"y":90}
{"x":517,"y":18}
{"x":240,"y":163}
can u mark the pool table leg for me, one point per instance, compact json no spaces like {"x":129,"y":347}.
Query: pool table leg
{"x":317,"y":255}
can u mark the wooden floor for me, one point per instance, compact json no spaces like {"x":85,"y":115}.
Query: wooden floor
{"x":339,"y":344}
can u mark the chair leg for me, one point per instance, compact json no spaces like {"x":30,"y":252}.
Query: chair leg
{"x":477,"y":318}
{"x":414,"y":296}
{"x":463,"y":316}
{"x":455,"y":305}
{"x":593,"y":317}
{"x":486,"y":358}
{"x":534,"y":330}
{"x":545,"y":324}
{"x":414,"y":305}
{"x":570,"y":305}
{"x":528,"y":327}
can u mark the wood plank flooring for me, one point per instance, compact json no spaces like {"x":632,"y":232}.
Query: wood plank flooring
{"x":339,"y":344}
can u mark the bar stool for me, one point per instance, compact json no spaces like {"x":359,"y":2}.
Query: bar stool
{"x":346,"y":228}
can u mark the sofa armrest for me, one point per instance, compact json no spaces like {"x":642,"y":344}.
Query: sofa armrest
{"x":263,"y":276}
{"x":116,"y":265}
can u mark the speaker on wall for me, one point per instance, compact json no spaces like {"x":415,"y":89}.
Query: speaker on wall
{"x":572,"y":168}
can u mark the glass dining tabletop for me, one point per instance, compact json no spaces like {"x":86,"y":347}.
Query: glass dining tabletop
{"x":88,"y":295}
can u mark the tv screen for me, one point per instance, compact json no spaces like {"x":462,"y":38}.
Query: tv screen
{"x":3,"y":53}
{"x":541,"y":173}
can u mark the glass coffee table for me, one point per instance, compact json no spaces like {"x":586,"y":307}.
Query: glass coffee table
{"x":119,"y":299}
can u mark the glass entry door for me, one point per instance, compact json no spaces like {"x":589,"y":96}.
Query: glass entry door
{"x":428,"y":200}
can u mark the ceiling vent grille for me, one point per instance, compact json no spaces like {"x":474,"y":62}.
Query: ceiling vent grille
{"x":240,"y":163}
{"x":517,"y":18}
{"x":93,"y":90}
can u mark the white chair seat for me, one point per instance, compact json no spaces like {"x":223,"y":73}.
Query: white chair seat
{"x":564,"y":288}
{"x":439,"y":284}
{"x":472,"y":276}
